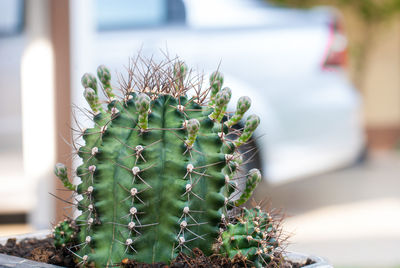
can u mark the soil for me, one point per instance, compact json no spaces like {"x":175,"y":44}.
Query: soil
{"x":43,"y":250}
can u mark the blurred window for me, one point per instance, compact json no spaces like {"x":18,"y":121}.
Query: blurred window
{"x":13,"y":188}
{"x":127,"y":14}
{"x":11,"y":17}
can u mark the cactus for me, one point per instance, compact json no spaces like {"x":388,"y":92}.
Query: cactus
{"x":253,"y":178}
{"x":216,"y":81}
{"x":242,"y":106}
{"x":64,"y":233}
{"x":158,"y":167}
{"x":253,"y":236}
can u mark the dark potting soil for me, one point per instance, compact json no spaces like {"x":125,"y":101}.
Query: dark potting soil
{"x":43,"y":250}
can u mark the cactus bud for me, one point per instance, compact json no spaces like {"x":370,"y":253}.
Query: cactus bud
{"x":234,"y":161}
{"x":250,"y":126}
{"x":221,"y":101}
{"x":142,"y":104}
{"x":192,"y":127}
{"x":105,"y":77}
{"x":180,"y":70}
{"x":89,"y":80}
{"x":92,"y":99}
{"x":223,"y":97}
{"x":104,"y":74}
{"x":253,"y":178}
{"x":242,"y":106}
{"x":60,"y":170}
{"x":216,"y":81}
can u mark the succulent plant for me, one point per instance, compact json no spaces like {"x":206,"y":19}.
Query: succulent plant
{"x":253,"y":236}
{"x":159,"y":166}
{"x":64,"y":233}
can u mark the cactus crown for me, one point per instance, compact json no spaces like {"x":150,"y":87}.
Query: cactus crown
{"x":159,"y":167}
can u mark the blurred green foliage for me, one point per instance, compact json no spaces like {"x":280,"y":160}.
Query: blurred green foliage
{"x":370,"y":10}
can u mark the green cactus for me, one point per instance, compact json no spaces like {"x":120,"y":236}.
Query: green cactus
{"x":105,"y":78}
{"x":253,"y":236}
{"x":180,"y":72}
{"x":216,"y":81}
{"x":253,"y":178}
{"x":242,"y":106}
{"x":61,"y":172}
{"x":89,"y":81}
{"x":157,"y":173}
{"x":93,"y":100}
{"x":250,"y":126}
{"x":64,"y":233}
{"x":221,"y":101}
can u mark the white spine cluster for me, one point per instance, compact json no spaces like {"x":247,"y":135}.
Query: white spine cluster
{"x":135,"y":170}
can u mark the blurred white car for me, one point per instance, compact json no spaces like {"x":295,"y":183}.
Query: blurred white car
{"x":290,"y":62}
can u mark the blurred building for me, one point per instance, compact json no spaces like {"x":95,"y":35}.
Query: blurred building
{"x":380,"y":80}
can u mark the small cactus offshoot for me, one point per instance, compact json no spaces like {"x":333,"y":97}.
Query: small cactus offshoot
{"x":159,"y":166}
{"x":254,"y":236}
{"x":64,"y":233}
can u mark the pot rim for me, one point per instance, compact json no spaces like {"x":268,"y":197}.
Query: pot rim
{"x":319,"y":261}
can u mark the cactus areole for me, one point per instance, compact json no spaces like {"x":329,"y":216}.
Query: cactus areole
{"x":159,"y":166}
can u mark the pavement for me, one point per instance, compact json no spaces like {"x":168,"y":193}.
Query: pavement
{"x":351,"y":216}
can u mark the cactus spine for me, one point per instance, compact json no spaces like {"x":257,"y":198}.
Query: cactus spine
{"x":157,"y":167}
